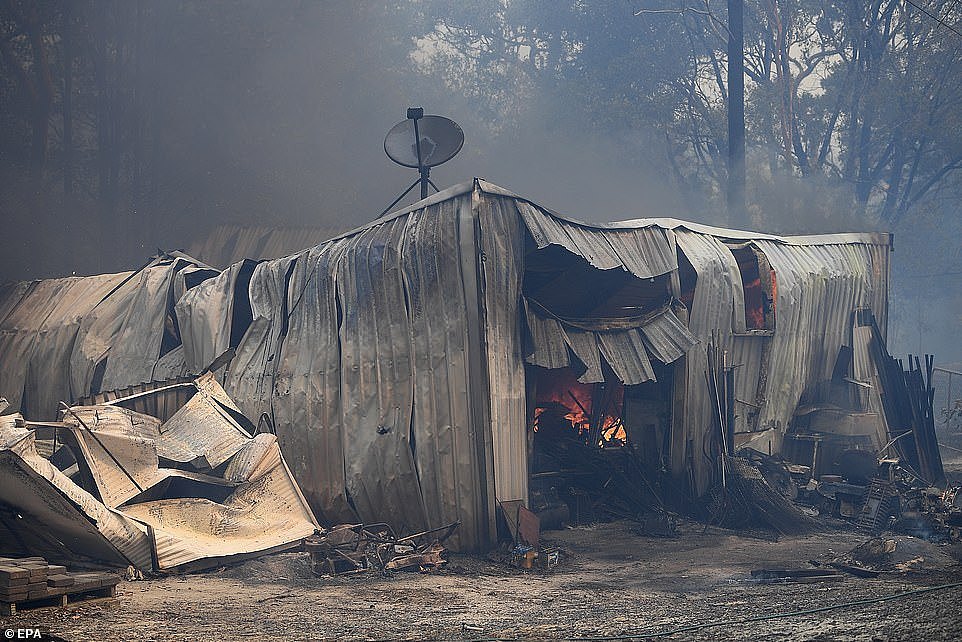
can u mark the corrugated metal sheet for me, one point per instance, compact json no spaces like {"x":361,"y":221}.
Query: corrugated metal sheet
{"x":250,"y":375}
{"x":125,"y":330}
{"x":666,"y":337}
{"x":205,"y":314}
{"x":104,"y":450}
{"x":159,"y":399}
{"x":712,"y":310}
{"x":121,"y":421}
{"x":818,"y":288}
{"x":135,"y":350}
{"x":548,"y":348}
{"x":11,"y":293}
{"x":228,"y":244}
{"x":585,"y":346}
{"x":502,"y":269}
{"x":645,"y":252}
{"x":867,"y":238}
{"x":265,"y":512}
{"x":372,"y":387}
{"x":205,"y":426}
{"x":376,"y":369}
{"x":443,"y":432}
{"x":59,"y":516}
{"x":246,"y":461}
{"x":307,"y":387}
{"x":625,"y":349}
{"x":37,"y":335}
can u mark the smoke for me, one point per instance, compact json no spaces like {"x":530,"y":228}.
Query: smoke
{"x":274,"y":114}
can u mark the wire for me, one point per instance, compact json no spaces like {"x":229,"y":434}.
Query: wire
{"x":761,"y":618}
{"x":925,"y":276}
{"x":935,"y":17}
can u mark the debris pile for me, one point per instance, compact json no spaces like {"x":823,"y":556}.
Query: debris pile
{"x":886,"y":556}
{"x":932,"y":513}
{"x":892,"y":499}
{"x":111,"y":486}
{"x":865,"y":450}
{"x":751,"y":496}
{"x":595,"y":482}
{"x":358,"y":548}
{"x":526,"y":550}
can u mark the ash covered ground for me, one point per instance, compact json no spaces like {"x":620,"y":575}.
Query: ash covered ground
{"x":612,"y":582}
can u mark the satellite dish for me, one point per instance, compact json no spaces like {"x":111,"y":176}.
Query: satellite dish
{"x":422,"y":142}
{"x":440,"y":140}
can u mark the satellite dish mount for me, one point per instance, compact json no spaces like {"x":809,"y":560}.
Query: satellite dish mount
{"x":436,"y":140}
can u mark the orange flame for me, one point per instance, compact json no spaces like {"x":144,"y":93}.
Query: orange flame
{"x":562,"y":387}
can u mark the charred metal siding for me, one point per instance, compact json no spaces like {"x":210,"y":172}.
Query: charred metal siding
{"x":503,"y":265}
{"x":37,"y":336}
{"x":307,"y":386}
{"x":819,"y":288}
{"x":821,"y":280}
{"x":625,"y":349}
{"x":391,"y":359}
{"x":251,"y":373}
{"x":712,"y":309}
{"x":645,"y":252}
{"x":819,"y":285}
{"x":372,"y":398}
{"x":228,"y":244}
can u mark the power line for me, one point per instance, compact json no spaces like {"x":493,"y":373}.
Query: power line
{"x":935,"y":17}
{"x":925,"y":276}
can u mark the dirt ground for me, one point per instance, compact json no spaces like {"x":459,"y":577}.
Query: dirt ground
{"x":612,"y":583}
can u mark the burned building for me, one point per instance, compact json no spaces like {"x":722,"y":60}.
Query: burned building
{"x":424,"y":367}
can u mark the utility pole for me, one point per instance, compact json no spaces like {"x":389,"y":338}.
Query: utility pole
{"x":737,"y":212}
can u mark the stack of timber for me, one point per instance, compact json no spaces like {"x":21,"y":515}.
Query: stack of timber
{"x":31,"y":582}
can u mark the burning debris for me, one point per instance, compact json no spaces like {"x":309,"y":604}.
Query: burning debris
{"x":112,"y":486}
{"x":585,"y":464}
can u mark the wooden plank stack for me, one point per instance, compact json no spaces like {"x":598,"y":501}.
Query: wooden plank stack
{"x":32,"y":581}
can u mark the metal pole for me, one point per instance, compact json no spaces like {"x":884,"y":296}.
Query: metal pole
{"x":729,"y":404}
{"x":737,"y":213}
{"x":398,"y":199}
{"x":422,"y":170}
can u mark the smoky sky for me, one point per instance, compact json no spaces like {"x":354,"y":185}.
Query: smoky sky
{"x":274,"y":114}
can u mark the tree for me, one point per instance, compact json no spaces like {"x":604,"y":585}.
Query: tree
{"x":854,"y":96}
{"x":24,"y":27}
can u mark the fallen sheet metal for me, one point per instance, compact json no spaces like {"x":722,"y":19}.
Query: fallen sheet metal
{"x":190,"y":492}
{"x":42,"y":511}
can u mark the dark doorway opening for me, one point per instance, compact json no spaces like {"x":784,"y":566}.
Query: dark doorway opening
{"x":597,"y":451}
